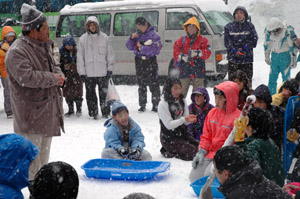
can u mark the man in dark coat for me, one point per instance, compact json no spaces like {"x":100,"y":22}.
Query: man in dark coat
{"x":239,"y":39}
{"x":264,"y":100}
{"x":242,"y":178}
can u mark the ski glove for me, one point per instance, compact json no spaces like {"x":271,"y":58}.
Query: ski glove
{"x":267,"y":58}
{"x":292,"y":135}
{"x":83,"y":78}
{"x":123,"y":152}
{"x":240,"y":53}
{"x":196,"y":53}
{"x":199,"y":158}
{"x":246,"y":48}
{"x":240,"y":127}
{"x":109,"y":74}
{"x":134,"y":154}
{"x":233,"y":51}
{"x":183,"y":57}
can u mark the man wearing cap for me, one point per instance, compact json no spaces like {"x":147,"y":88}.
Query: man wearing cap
{"x":240,"y":38}
{"x":280,"y":53}
{"x":190,"y":53}
{"x":146,"y":45}
{"x":95,"y":64}
{"x":34,"y":81}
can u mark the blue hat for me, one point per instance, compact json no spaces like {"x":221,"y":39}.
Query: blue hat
{"x":69,"y":41}
{"x":118,"y":107}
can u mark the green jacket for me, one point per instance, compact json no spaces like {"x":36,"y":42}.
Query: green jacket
{"x":268,"y":155}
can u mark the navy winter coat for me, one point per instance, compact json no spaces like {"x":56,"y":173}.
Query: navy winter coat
{"x":240,"y":35}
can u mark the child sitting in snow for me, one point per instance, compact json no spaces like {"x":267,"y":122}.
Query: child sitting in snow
{"x":200,"y":107}
{"x":123,"y":138}
{"x":259,"y":146}
{"x":173,"y":117}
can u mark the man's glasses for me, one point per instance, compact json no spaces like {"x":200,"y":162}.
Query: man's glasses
{"x":276,"y":30}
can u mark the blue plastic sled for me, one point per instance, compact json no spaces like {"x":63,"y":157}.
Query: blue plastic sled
{"x":289,"y":147}
{"x":198,"y":184}
{"x":123,"y":169}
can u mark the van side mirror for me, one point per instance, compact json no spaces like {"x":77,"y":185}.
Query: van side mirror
{"x":203,"y":29}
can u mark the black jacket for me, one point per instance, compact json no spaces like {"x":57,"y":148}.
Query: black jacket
{"x":250,"y":183}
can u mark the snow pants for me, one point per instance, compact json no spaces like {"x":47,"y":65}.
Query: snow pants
{"x":110,"y":153}
{"x":91,"y":97}
{"x":7,"y":104}
{"x":44,"y":145}
{"x":147,"y":75}
{"x":279,"y":64}
{"x":185,"y":82}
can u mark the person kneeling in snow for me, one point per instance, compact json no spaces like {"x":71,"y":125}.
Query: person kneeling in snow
{"x":242,"y":178}
{"x":123,"y":138}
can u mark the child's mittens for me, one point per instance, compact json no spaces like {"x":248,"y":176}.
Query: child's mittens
{"x":123,"y":151}
{"x":134,"y":154}
{"x":292,"y":135}
{"x":240,"y":127}
{"x":199,"y":158}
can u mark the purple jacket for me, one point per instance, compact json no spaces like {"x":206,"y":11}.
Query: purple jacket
{"x":195,"y":129}
{"x":145,"y":50}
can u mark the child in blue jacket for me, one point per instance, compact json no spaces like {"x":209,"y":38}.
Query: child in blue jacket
{"x":123,"y":138}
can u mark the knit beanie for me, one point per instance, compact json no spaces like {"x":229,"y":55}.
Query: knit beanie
{"x":263,"y":92}
{"x":31,"y":17}
{"x":57,"y":180}
{"x":261,"y":122}
{"x":118,"y":107}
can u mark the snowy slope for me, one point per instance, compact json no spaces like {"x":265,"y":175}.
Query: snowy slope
{"x":84,"y":137}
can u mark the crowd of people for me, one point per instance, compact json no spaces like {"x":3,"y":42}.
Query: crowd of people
{"x":35,"y":82}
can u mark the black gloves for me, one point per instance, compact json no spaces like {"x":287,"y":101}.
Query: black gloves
{"x":134,"y":154}
{"x":83,"y":78}
{"x":123,"y":151}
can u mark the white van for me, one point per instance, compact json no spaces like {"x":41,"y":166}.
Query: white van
{"x":117,"y":20}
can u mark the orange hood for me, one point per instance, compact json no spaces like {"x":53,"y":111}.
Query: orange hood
{"x":5,"y":30}
{"x":194,"y":21}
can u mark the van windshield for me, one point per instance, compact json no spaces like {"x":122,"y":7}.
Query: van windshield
{"x":75,"y":24}
{"x":217,"y":20}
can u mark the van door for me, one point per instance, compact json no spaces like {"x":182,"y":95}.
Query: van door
{"x":175,"y":18}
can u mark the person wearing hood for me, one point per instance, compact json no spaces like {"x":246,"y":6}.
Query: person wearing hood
{"x":264,"y":100}
{"x":190,"y":53}
{"x":95,"y":64}
{"x":174,"y":117}
{"x":200,"y":107}
{"x":258,"y":145}
{"x":35,"y":80}
{"x":8,"y":36}
{"x":280,"y":52}
{"x":217,"y":127}
{"x":123,"y":137}
{"x":16,"y":154}
{"x":240,"y":177}
{"x":146,"y":45}
{"x":73,"y":88}
{"x":240,"y":38}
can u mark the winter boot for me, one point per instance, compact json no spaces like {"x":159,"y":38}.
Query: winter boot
{"x":71,"y":108}
{"x":142,"y":109}
{"x":78,"y":107}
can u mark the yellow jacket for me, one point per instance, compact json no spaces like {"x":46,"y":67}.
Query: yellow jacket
{"x":4,"y":49}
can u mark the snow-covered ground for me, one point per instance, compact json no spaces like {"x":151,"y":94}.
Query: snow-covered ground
{"x":84,"y":137}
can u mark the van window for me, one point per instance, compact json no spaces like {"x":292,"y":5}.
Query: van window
{"x":176,"y":17}
{"x":75,"y":24}
{"x":124,"y":24}
{"x":217,"y":20}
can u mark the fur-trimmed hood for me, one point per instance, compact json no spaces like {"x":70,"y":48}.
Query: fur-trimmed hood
{"x":89,"y":20}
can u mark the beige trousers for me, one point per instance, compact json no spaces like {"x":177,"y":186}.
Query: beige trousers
{"x":44,"y":144}
{"x":185,"y":82}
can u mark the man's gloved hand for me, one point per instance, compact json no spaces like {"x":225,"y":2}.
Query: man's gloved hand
{"x":292,"y":135}
{"x":246,"y":48}
{"x":183,"y":57}
{"x":123,"y":151}
{"x":240,"y":53}
{"x":267,"y":58}
{"x":199,"y":158}
{"x":83,"y":78}
{"x":148,"y":42}
{"x":233,"y":51}
{"x":196,"y":53}
{"x":240,"y":127}
{"x":109,"y":74}
{"x":134,"y":154}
